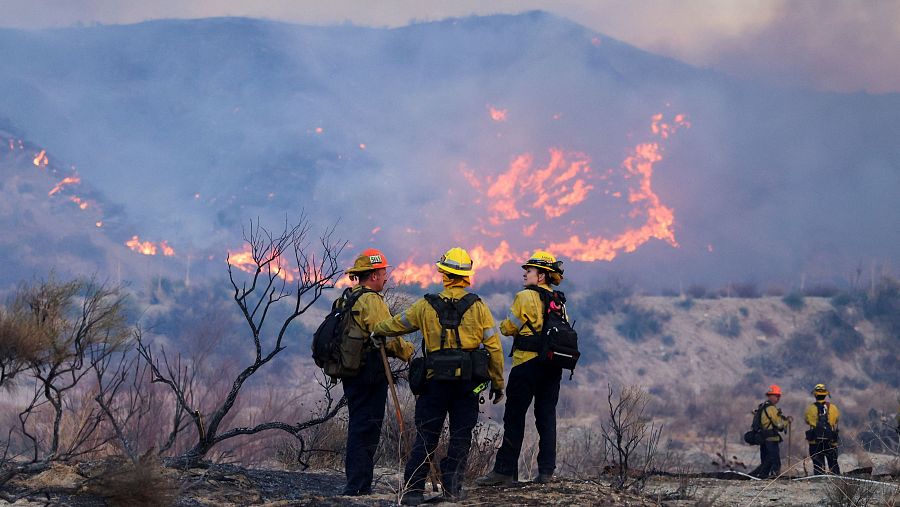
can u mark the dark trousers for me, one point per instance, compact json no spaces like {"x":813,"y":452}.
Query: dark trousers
{"x":824,"y":450}
{"x":769,"y":460}
{"x":531,"y":380}
{"x":366,"y":397}
{"x":442,"y":397}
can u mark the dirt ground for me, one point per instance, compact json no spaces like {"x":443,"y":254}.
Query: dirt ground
{"x":226,"y":485}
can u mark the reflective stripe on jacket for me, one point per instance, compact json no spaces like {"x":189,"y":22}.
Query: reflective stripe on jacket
{"x":526,"y":307}
{"x":772,"y":419}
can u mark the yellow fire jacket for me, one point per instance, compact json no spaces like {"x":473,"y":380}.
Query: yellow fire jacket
{"x":477,"y":328}
{"x":772,"y":418}
{"x":372,"y":310}
{"x":526,"y":307}
{"x":812,"y":416}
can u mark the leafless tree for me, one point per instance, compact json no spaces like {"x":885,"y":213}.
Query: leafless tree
{"x":70,"y":328}
{"x":284,"y":273}
{"x":632,"y":437}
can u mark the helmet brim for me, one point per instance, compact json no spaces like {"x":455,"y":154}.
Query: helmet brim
{"x":453,"y":271}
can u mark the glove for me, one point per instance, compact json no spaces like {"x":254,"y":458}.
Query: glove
{"x":496,"y":395}
{"x":377,"y":341}
{"x":790,"y":419}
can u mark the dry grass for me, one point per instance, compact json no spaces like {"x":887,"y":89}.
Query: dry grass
{"x":140,"y":483}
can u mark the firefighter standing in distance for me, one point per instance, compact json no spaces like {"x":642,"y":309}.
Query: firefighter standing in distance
{"x":773,"y":422}
{"x":530,"y":377}
{"x":822,"y":435}
{"x":367,"y":392}
{"x":458,"y":398}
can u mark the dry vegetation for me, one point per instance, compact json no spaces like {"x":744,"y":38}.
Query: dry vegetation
{"x":82,"y":404}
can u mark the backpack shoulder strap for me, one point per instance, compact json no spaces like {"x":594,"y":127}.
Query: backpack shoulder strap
{"x":545,"y":296}
{"x":466,"y":302}
{"x":439,"y":305}
{"x":350,"y":297}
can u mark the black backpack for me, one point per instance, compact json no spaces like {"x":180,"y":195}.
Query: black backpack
{"x":823,"y":429}
{"x":338,"y":345}
{"x":557,"y":343}
{"x":455,"y":363}
{"x":755,"y":435}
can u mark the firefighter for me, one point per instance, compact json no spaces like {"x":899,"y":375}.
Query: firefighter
{"x":530,"y":378}
{"x":367,"y":392}
{"x":458,"y":398}
{"x":822,"y":417}
{"x":773,"y":422}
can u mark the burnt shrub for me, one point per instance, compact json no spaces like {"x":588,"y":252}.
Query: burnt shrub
{"x":609,"y":299}
{"x":837,"y":334}
{"x":640,"y":323}
{"x":882,"y":307}
{"x":767,"y":327}
{"x":882,"y":367}
{"x":821,"y":291}
{"x":686,"y":303}
{"x":744,"y":311}
{"x":696,"y":291}
{"x":668,"y":340}
{"x":744,"y":290}
{"x":842,"y":299}
{"x":802,"y":352}
{"x":794,"y":301}
{"x":728,"y":326}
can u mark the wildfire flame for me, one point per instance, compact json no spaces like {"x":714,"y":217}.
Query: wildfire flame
{"x":534,"y":195}
{"x":147,"y":247}
{"x":79,"y":201}
{"x":554,"y":189}
{"x":244,"y":261}
{"x":497,"y":114}
{"x":41,"y":160}
{"x":68,"y":180}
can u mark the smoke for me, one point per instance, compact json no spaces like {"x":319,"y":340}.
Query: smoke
{"x":826,"y":45}
{"x":830,"y":45}
{"x":196,"y":127}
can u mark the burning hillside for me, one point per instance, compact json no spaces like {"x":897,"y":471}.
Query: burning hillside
{"x":531,"y":204}
{"x":499,"y":133}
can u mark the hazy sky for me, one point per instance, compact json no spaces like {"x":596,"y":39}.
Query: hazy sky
{"x":827,"y":44}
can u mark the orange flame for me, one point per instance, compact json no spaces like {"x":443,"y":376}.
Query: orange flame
{"x":68,"y":180}
{"x":41,"y":160}
{"x":166,"y":249}
{"x":147,"y":247}
{"x":555,"y":189}
{"x":79,"y":201}
{"x":497,"y":114}
{"x":412,"y":273}
{"x":525,"y":191}
{"x":244,"y":261}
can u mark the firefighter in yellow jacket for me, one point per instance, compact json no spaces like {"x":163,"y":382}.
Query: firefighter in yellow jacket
{"x":367,"y":392}
{"x":822,"y":436}
{"x":530,"y":378}
{"x":446,"y":389}
{"x":773,"y":423}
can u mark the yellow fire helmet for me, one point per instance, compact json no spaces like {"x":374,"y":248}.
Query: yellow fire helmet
{"x":820,"y":389}
{"x":543,"y":259}
{"x":456,"y":262}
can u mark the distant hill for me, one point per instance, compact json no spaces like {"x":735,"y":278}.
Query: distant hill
{"x":194,"y":127}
